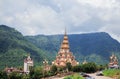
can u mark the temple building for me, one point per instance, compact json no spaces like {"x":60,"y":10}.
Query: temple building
{"x":64,"y":55}
{"x":12,"y":69}
{"x":85,"y":62}
{"x":46,"y":66}
{"x":28,"y":62}
{"x":113,"y":62}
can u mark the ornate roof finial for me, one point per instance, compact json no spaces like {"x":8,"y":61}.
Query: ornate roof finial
{"x":65,"y":31}
{"x":28,"y":57}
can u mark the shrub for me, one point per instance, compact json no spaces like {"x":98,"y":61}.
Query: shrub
{"x":36,"y":73}
{"x":15,"y":75}
{"x":53,"y":69}
{"x":77,"y":68}
{"x":101,"y":67}
{"x":3,"y":75}
{"x":69,"y":66}
{"x":89,"y":67}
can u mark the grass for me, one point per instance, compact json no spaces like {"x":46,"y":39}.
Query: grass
{"x":114,"y":73}
{"x":74,"y":76}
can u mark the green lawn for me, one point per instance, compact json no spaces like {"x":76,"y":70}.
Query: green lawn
{"x":74,"y":76}
{"x":114,"y":73}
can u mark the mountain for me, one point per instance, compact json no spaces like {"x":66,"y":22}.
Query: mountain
{"x":96,"y":47}
{"x":14,"y":48}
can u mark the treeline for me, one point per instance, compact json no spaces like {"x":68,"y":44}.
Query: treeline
{"x":39,"y":72}
{"x":13,"y":75}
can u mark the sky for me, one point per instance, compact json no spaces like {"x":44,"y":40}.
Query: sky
{"x":33,"y":17}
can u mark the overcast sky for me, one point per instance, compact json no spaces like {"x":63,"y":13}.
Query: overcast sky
{"x":32,"y":17}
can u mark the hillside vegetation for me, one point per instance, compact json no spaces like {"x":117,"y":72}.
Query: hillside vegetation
{"x":14,"y":48}
{"x":94,"y":47}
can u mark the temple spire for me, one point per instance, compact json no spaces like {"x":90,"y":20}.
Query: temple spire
{"x":65,"y":31}
{"x":65,"y":43}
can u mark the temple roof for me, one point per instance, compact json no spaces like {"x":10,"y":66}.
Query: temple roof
{"x":65,"y":43}
{"x":28,"y":59}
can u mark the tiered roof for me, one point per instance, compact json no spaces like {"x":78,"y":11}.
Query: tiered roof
{"x":65,"y":43}
{"x":64,"y":55}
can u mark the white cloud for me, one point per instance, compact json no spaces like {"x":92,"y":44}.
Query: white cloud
{"x":51,"y":16}
{"x":100,"y":3}
{"x":113,"y":30}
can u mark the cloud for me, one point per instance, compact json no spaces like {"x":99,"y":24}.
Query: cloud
{"x":33,"y":17}
{"x":113,"y":30}
{"x":101,"y":3}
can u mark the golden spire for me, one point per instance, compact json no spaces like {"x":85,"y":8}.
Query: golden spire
{"x":65,"y":43}
{"x":65,"y":31}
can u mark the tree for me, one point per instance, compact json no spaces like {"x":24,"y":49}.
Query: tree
{"x":89,"y":67}
{"x":36,"y":73}
{"x":101,"y":67}
{"x":15,"y":75}
{"x":69,"y":66}
{"x":54,"y":69}
{"x":3,"y":75}
{"x":77,"y":68}
{"x":32,"y":72}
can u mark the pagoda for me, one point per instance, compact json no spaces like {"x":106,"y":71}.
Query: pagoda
{"x":64,"y":55}
{"x":113,"y":62}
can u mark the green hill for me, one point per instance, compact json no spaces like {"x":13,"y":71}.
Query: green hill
{"x":96,"y":47}
{"x":14,"y":48}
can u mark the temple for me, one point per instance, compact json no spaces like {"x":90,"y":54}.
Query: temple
{"x":28,"y":62}
{"x":85,"y":62}
{"x":64,"y":55}
{"x":13,"y":69}
{"x":46,"y":66}
{"x":113,"y":62}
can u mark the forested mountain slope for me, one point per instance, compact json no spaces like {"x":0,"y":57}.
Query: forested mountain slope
{"x":96,"y":47}
{"x":14,"y":48}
